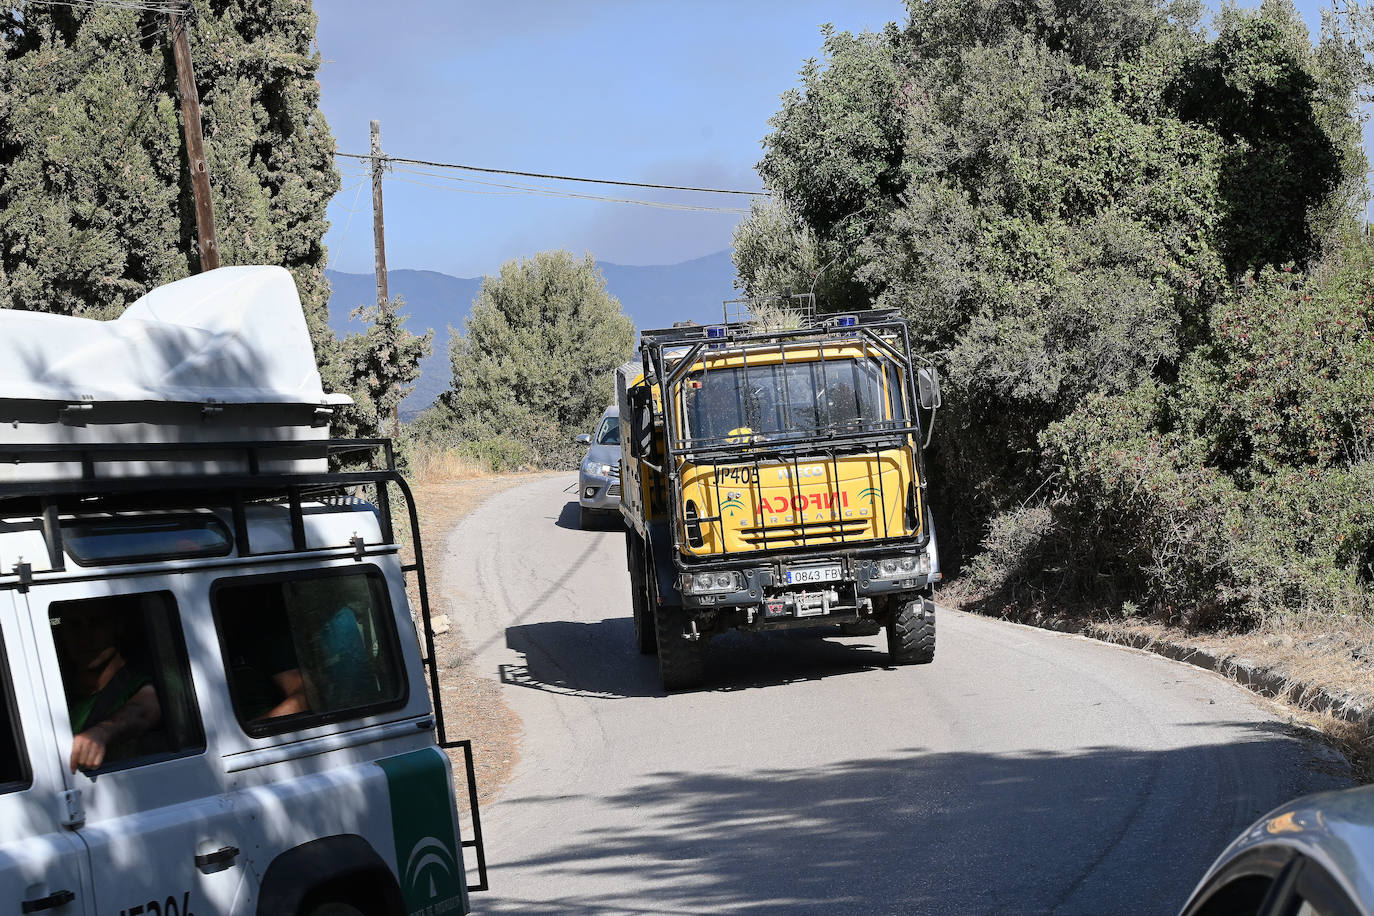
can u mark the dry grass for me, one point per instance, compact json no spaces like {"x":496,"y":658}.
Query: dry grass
{"x":431,"y":466}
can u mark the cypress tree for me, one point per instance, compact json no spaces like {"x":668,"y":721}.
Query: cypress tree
{"x":95,"y":198}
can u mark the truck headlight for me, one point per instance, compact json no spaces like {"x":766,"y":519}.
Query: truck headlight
{"x":597,"y":469}
{"x":712,"y":583}
{"x":903,"y":567}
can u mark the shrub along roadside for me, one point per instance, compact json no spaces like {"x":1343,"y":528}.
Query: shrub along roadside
{"x":1242,"y":496}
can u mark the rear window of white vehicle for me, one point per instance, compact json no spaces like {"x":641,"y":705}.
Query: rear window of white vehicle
{"x":302,"y":649}
{"x":14,"y":763}
{"x":110,"y":541}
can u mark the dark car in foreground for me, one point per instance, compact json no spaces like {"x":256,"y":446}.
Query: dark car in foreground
{"x":1311,"y":857}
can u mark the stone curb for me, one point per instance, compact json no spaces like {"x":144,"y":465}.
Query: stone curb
{"x":1265,"y":681}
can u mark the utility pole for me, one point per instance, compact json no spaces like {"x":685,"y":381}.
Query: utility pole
{"x":378,"y":220}
{"x":379,"y":246}
{"x":207,"y":240}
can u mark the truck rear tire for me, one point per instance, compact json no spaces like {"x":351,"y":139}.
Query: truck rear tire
{"x":681,"y":661}
{"x":646,"y":640}
{"x":911,"y":633}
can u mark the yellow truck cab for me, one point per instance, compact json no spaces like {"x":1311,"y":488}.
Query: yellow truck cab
{"x":775,"y":479}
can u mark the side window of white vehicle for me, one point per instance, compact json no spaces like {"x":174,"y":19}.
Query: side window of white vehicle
{"x":14,"y":762}
{"x":307,"y":648}
{"x":128,"y":686}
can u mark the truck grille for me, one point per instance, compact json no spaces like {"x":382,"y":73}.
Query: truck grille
{"x":613,"y":489}
{"x":837,"y":530}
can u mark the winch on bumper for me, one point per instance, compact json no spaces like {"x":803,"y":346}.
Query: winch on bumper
{"x":804,"y":592}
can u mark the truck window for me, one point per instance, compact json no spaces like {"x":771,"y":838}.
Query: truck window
{"x":14,"y":763}
{"x":303,"y":649}
{"x":799,"y":398}
{"x":128,"y":686}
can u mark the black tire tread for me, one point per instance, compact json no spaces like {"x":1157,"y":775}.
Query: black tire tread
{"x":911,"y":633}
{"x":681,"y":662}
{"x":646,"y":636}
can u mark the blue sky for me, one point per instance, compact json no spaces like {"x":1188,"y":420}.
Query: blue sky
{"x":656,"y":91}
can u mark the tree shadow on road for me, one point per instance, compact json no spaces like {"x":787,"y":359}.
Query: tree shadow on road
{"x":600,"y":659}
{"x":1094,"y":830}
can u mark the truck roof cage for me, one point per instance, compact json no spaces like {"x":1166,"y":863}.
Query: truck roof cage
{"x":47,"y":500}
{"x":737,"y":332}
{"x":800,"y":305}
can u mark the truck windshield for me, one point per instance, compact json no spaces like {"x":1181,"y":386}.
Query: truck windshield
{"x":798,"y":398}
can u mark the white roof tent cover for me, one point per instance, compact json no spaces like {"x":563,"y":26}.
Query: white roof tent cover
{"x":235,"y":335}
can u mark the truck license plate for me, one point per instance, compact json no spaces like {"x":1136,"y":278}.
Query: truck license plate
{"x":808,"y":574}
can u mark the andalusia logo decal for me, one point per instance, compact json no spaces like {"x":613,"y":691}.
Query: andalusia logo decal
{"x":428,"y":863}
{"x":429,"y":854}
{"x":732,"y":503}
{"x":870,"y":492}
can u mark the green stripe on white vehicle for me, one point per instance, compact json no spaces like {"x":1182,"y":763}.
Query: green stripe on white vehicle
{"x":429,"y":864}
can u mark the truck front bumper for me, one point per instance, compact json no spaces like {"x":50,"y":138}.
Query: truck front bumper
{"x":764,"y":588}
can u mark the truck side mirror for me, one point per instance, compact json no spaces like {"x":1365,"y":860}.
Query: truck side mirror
{"x":928,"y":387}
{"x":641,"y":422}
{"x":583,"y":439}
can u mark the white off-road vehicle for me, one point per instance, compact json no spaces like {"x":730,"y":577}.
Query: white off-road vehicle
{"x":212,"y":695}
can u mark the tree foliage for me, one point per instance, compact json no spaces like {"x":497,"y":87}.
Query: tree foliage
{"x":1077,"y":204}
{"x":95,"y":201}
{"x":534,"y":363}
{"x":385,"y":362}
{"x":95,"y":197}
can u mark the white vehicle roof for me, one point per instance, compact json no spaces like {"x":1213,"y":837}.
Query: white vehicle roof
{"x":235,"y":335}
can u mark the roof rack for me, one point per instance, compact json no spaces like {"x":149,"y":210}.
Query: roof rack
{"x":48,"y":499}
{"x":743,"y":311}
{"x":747,"y":332}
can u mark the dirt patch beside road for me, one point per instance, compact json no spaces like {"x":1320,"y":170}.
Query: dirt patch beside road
{"x":473,"y":707}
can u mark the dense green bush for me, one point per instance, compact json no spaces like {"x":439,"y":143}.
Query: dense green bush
{"x":1246,"y":490}
{"x":1085,"y":210}
{"x":533,"y":366}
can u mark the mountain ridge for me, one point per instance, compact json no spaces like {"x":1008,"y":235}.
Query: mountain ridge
{"x":654,"y":296}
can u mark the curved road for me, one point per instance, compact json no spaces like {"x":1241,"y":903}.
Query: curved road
{"x":1023,"y":772}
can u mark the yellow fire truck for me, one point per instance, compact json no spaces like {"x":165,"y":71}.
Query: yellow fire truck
{"x":775,"y":479}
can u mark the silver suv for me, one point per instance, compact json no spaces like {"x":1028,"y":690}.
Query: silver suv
{"x":598,"y":482}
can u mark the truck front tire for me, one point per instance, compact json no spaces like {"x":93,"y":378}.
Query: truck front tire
{"x":911,"y":633}
{"x":681,"y":661}
{"x":646,"y":640}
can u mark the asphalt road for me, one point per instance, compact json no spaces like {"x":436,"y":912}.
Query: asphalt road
{"x":1022,"y":772}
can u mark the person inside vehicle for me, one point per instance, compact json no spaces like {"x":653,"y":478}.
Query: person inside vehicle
{"x":268,"y":682}
{"x":110,"y":701}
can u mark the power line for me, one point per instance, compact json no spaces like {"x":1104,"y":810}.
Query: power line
{"x":610,"y":181}
{"x":349,"y":221}
{"x":569,"y":195}
{"x":508,"y":190}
